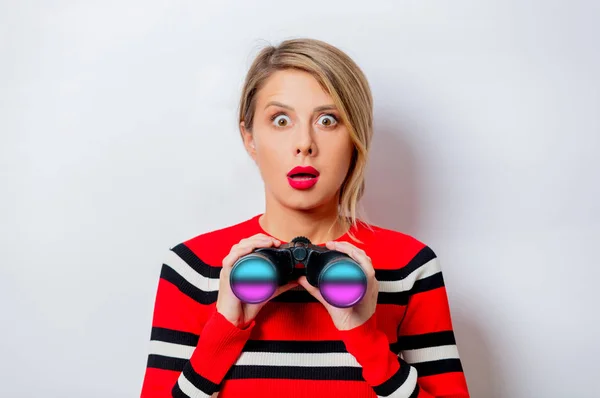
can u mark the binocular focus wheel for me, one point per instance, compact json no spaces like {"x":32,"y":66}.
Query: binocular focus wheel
{"x":343,"y":283}
{"x":253,"y":279}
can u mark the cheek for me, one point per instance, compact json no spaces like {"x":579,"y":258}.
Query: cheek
{"x":339,"y":162}
{"x":268,"y":157}
{"x":345,"y":156}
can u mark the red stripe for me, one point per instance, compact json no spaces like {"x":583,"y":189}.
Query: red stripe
{"x":175,"y":310}
{"x":447,"y":384}
{"x":427,"y":312}
{"x":158,"y":383}
{"x":260,"y":388}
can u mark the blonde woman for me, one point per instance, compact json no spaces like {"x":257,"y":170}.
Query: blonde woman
{"x":306,"y":119}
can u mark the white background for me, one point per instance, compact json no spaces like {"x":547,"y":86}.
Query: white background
{"x":119,"y":140}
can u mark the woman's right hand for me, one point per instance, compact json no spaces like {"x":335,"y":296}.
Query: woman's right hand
{"x":235,"y":311}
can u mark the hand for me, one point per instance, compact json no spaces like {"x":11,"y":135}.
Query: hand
{"x":235,"y":311}
{"x":349,"y":318}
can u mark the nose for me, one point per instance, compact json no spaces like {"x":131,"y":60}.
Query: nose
{"x":305,"y":144}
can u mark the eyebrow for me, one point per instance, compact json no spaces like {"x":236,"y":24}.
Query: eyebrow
{"x":317,"y":109}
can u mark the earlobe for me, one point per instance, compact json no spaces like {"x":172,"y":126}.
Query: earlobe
{"x":248,"y":139}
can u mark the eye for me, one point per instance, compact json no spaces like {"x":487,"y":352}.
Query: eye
{"x":328,"y":120}
{"x":281,"y":120}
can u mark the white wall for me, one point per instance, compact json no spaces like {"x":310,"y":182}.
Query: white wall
{"x":118,"y":140}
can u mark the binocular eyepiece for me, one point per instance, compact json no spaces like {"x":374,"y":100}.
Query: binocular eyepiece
{"x":341,"y":280}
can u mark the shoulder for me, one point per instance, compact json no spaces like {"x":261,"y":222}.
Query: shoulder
{"x":212,"y":246}
{"x":393,"y":249}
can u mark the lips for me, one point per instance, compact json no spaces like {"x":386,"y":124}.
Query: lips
{"x":303,"y":177}
{"x":303,"y":172}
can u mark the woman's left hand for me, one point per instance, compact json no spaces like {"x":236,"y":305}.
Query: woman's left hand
{"x":349,"y":318}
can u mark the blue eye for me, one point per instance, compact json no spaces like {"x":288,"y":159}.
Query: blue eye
{"x":329,"y":119}
{"x":281,"y":120}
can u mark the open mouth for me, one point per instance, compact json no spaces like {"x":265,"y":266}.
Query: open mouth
{"x":302,"y":176}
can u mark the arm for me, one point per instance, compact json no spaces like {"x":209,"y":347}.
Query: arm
{"x":429,"y":365}
{"x":192,"y":346}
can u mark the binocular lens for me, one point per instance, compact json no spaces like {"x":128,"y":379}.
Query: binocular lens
{"x":253,"y":279}
{"x":343,"y":283}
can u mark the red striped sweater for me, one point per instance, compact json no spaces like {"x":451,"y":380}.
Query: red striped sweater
{"x":292,"y":349}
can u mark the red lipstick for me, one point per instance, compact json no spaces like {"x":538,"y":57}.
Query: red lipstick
{"x":303,"y":177}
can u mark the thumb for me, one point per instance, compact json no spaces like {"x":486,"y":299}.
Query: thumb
{"x":283,"y":289}
{"x":314,"y":291}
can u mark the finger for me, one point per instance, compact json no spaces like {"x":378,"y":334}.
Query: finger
{"x":358,"y":255}
{"x":283,"y":289}
{"x":261,"y":235}
{"x":260,"y":241}
{"x":314,"y":291}
{"x":246,"y":246}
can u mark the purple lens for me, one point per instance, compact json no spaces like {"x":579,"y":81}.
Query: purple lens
{"x":253,"y":279}
{"x":343,"y":283}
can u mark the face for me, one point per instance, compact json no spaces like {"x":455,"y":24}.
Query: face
{"x":297,"y":124}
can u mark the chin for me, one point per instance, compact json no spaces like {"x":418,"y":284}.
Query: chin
{"x":305,"y":201}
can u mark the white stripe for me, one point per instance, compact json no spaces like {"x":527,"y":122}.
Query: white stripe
{"x":306,"y":359}
{"x":262,"y":358}
{"x":187,"y":272}
{"x":431,"y":354}
{"x":189,"y":389}
{"x":171,"y":349}
{"x":406,"y":389}
{"x":297,"y":359}
{"x":428,"y":269}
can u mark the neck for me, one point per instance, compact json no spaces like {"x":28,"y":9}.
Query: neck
{"x":285,"y":223}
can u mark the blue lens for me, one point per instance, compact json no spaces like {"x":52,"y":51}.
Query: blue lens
{"x":343,"y":283}
{"x":253,"y":279}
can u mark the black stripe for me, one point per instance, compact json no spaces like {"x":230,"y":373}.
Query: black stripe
{"x":416,"y":392}
{"x":166,"y":363}
{"x":399,"y":298}
{"x":393,"y":383}
{"x":177,"y":393}
{"x":425,"y":255}
{"x":297,"y":347}
{"x":395,"y":348}
{"x":201,"y":296}
{"x":295,"y":372}
{"x":200,"y":382}
{"x":426,"y":284}
{"x":438,"y":367}
{"x":194,"y":261}
{"x":174,"y":336}
{"x":426,"y":340}
{"x":421,"y":258}
{"x":302,"y":296}
{"x":291,"y":296}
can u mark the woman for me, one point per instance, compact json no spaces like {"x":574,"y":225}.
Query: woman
{"x":304,"y":104}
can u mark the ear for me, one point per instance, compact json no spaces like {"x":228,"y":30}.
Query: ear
{"x":248,"y":141}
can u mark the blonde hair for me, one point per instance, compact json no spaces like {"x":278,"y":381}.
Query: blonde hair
{"x":344,"y":81}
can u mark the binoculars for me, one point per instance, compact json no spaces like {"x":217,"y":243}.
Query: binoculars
{"x":255,"y":276}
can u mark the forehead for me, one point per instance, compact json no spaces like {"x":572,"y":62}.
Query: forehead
{"x":295,"y":88}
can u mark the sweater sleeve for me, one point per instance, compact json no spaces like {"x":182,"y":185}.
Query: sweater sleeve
{"x":192,"y":346}
{"x":428,"y":365}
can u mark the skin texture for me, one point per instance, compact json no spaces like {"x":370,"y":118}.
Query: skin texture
{"x":298,"y":137}
{"x":296,"y":124}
